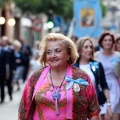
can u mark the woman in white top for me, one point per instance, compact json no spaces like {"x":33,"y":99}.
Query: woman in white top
{"x":110,"y":60}
{"x":34,"y":65}
{"x":95,"y":70}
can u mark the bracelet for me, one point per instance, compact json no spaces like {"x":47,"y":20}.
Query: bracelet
{"x":108,"y":101}
{"x":108,"y":104}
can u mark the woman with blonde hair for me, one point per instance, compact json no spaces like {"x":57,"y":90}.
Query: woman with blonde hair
{"x":94,"y":69}
{"x":19,"y":61}
{"x":58,"y":90}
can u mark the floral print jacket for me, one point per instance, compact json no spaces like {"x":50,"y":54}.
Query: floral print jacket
{"x":85,"y":103}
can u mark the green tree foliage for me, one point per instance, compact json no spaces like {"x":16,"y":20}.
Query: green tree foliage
{"x":3,"y":3}
{"x":59,"y":7}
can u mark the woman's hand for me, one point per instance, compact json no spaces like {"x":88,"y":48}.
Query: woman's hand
{"x":108,"y":115}
{"x":95,"y":118}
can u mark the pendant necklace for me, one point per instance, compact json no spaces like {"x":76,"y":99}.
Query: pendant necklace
{"x":56,"y":94}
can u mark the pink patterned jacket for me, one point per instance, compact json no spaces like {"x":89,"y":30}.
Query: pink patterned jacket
{"x":84,"y":105}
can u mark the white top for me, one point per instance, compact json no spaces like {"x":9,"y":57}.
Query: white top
{"x":87,"y":69}
{"x":34,"y":66}
{"x":112,"y":82}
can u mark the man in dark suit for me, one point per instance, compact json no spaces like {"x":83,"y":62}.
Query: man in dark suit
{"x":10,"y":64}
{"x":2,"y":72}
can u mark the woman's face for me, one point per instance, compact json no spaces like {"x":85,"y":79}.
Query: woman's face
{"x":118,"y":45}
{"x":87,"y":50}
{"x":56,"y":54}
{"x":107,"y":42}
{"x":16,"y":48}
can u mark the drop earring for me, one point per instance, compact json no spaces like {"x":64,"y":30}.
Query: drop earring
{"x":68,"y":61}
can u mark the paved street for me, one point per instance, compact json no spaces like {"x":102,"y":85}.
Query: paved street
{"x":9,"y":109}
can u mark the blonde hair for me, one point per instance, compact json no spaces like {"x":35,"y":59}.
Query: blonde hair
{"x":17,"y":43}
{"x":80,"y":44}
{"x":69,"y":45}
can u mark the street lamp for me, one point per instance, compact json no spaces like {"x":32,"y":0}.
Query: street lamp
{"x":2,"y":20}
{"x":11,"y":22}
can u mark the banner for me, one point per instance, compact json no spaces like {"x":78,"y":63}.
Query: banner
{"x":87,"y":15}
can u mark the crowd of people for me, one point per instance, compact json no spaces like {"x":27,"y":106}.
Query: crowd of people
{"x":65,"y":78}
{"x":14,"y":65}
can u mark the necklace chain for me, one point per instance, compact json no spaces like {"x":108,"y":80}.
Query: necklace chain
{"x":52,"y":81}
{"x":56,"y":93}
